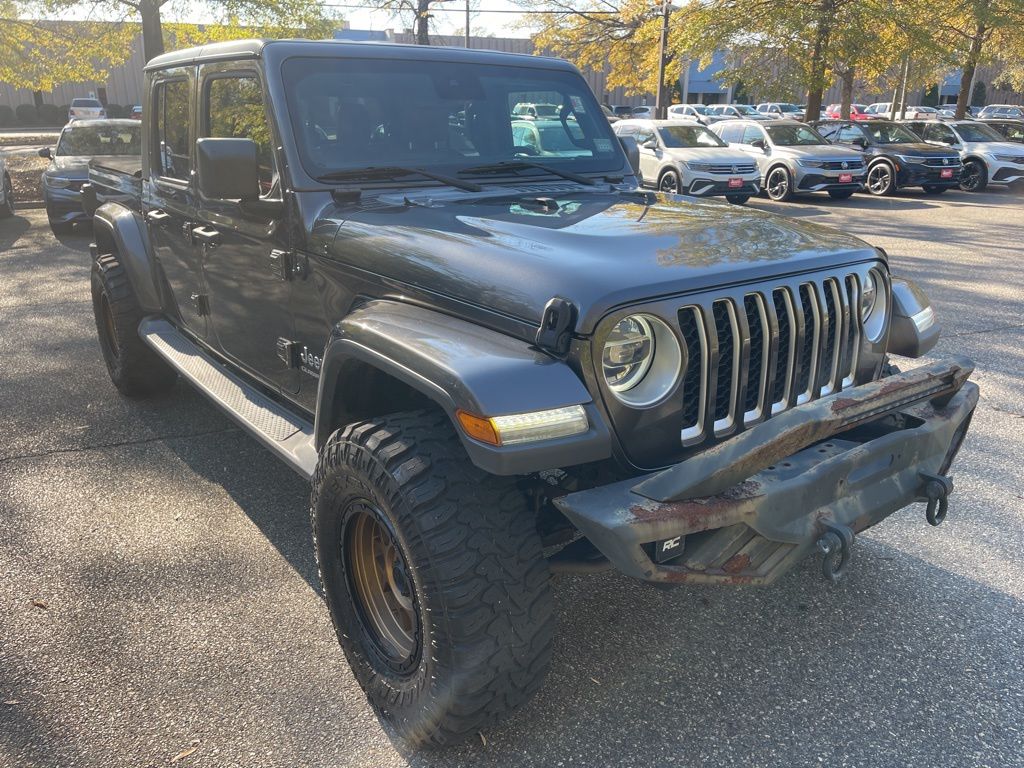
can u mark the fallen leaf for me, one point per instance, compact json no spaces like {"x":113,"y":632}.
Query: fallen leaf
{"x":483,"y":738}
{"x":183,"y":754}
{"x":11,"y":703}
{"x":594,"y":679}
{"x":38,"y":602}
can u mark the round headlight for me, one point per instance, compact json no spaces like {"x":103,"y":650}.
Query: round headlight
{"x":628,"y":353}
{"x":641,"y":360}
{"x":874,"y":305}
{"x":868,"y":293}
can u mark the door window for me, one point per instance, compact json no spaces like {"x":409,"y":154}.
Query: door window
{"x":234,"y":110}
{"x":940,"y":133}
{"x":848,"y":134}
{"x":172,"y":130}
{"x":751,"y":133}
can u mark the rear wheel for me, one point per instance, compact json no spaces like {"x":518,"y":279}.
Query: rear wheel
{"x":135,"y":369}
{"x":670,"y":183}
{"x":840,"y":194}
{"x":737,"y":199}
{"x":7,"y":207}
{"x":881,"y":179}
{"x":434,"y":574}
{"x":779,"y":185}
{"x":974,"y":177}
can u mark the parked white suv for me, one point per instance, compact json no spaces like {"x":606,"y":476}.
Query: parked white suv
{"x":987,"y":156}
{"x":684,"y":157}
{"x":86,"y":109}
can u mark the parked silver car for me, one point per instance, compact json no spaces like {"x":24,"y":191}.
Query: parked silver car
{"x":795,"y":159}
{"x":684,"y":157}
{"x":80,"y":142}
{"x":6,"y":191}
{"x":781,"y":109}
{"x":700,"y":112}
{"x":737,"y":112}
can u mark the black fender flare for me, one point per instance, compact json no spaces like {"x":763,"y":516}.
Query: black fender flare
{"x":463,"y":366}
{"x":126,"y":231}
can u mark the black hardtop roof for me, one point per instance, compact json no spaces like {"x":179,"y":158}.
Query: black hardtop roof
{"x":253,"y":49}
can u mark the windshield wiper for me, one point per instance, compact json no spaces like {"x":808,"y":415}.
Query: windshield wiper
{"x":396,"y":172}
{"x":518,"y":165}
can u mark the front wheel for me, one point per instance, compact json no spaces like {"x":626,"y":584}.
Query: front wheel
{"x":779,"y":185}
{"x":135,"y":369}
{"x":737,"y":199}
{"x":7,"y":207}
{"x":434,"y":575}
{"x":974,"y":177}
{"x":881,"y":179}
{"x":670,"y":183}
{"x":841,"y":194}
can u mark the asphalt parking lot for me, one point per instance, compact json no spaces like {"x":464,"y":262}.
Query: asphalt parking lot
{"x":158,"y":598}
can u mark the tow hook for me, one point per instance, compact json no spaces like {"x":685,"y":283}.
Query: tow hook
{"x":836,"y":547}
{"x":936,"y":490}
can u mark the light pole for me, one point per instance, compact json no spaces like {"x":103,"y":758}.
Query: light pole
{"x":660,"y":105}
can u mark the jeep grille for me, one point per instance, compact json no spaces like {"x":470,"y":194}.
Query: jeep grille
{"x":780,"y":348}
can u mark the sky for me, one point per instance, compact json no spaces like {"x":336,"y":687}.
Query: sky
{"x":446,"y":22}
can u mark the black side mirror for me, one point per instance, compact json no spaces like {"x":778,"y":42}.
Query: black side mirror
{"x":227,"y":169}
{"x":650,"y":144}
{"x":861,"y":142}
{"x":759,"y":143}
{"x":632,"y":151}
{"x":45,"y":152}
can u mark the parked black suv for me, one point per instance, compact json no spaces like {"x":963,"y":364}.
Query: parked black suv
{"x":897,"y":157}
{"x":493,"y":363}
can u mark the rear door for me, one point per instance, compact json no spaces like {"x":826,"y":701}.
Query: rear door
{"x":169,"y":196}
{"x":247,"y":265}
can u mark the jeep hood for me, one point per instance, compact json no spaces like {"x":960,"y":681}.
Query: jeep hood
{"x":511,"y":253}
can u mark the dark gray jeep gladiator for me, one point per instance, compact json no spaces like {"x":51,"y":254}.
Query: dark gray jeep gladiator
{"x":496,"y":361}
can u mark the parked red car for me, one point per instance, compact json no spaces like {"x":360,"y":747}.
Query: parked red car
{"x":832,"y":111}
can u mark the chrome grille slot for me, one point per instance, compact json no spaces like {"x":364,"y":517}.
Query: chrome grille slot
{"x":694,"y":384}
{"x":752,"y":355}
{"x":757,"y":359}
{"x":727,"y":370}
{"x":848,"y":362}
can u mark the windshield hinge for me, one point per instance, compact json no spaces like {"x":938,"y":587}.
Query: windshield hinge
{"x":557,"y":326}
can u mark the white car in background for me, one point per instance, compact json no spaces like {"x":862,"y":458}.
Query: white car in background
{"x":86,"y":109}
{"x":684,"y":157}
{"x":699,"y":112}
{"x":6,"y":191}
{"x":987,"y":156}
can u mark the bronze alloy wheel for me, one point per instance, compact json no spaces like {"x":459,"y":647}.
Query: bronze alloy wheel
{"x":381,"y":585}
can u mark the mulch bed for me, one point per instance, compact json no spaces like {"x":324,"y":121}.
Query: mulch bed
{"x":25,"y":171}
{"x":41,"y":139}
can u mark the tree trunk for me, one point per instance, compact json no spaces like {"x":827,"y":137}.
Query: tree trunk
{"x":422,"y":22}
{"x":152,"y":35}
{"x":816,"y":84}
{"x":964,"y":97}
{"x":846,"y":97}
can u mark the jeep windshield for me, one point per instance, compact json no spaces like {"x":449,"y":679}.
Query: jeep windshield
{"x":447,"y":117}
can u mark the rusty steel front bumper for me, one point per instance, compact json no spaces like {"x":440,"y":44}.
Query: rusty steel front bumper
{"x":747,"y":510}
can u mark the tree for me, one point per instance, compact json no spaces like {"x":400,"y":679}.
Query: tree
{"x":418,"y":10}
{"x":38,"y":55}
{"x":975,"y":31}
{"x":231,"y":19}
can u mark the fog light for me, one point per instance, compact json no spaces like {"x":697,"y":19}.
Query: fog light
{"x":530,"y":427}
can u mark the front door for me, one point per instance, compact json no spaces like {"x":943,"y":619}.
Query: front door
{"x":247,"y":266}
{"x":169,"y":195}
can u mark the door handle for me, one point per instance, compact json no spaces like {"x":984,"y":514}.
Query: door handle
{"x":156,"y":216}
{"x":207,"y":236}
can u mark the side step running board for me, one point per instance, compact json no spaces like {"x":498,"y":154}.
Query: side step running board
{"x":288,"y":436}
